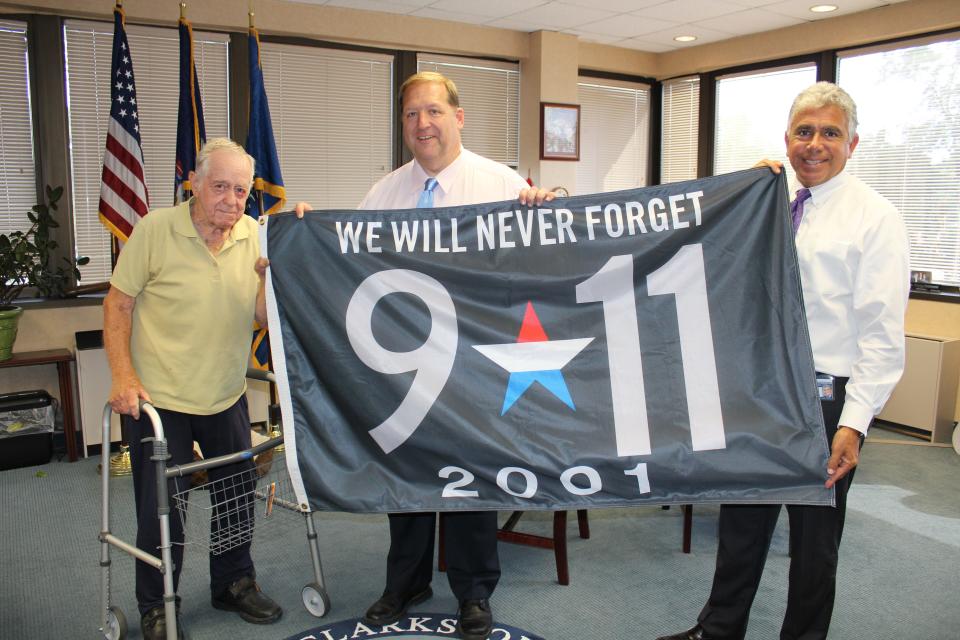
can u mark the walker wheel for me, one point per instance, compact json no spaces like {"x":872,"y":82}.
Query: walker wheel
{"x":315,"y":599}
{"x":116,"y":624}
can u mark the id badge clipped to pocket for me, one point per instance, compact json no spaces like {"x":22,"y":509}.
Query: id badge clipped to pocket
{"x":825,"y":386}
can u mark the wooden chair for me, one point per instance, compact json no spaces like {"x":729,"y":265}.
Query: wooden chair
{"x":687,"y":510}
{"x":557,"y":542}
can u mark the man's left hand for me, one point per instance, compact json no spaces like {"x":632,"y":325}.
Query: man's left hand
{"x":535,"y":195}
{"x":260,"y":266}
{"x":844,"y":454}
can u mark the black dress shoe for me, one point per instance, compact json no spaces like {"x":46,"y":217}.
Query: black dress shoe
{"x":153,"y":625}
{"x":391,"y":607}
{"x":474,"y":620}
{"x":696,"y":633}
{"x":244,"y":597}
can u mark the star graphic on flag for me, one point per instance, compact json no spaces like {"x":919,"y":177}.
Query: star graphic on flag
{"x":534,"y":358}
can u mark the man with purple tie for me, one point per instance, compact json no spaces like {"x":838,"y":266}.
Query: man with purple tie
{"x":854,"y":270}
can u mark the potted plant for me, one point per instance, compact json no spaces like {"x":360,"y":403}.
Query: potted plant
{"x":25,"y":258}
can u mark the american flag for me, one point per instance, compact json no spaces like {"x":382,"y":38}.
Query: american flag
{"x":123,"y":192}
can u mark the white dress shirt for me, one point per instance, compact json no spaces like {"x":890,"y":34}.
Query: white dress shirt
{"x":470,"y":179}
{"x":854,"y":268}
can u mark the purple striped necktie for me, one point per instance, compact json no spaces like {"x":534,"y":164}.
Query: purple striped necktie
{"x":796,"y":207}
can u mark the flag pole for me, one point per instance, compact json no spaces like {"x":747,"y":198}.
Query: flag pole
{"x":120,"y":463}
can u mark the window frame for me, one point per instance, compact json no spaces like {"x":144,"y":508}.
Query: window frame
{"x":825,"y":62}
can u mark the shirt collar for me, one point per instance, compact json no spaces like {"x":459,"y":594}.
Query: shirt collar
{"x":822,"y":192}
{"x":183,"y":225}
{"x":445,"y":178}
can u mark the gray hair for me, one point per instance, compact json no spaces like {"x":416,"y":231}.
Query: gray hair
{"x":214,"y":145}
{"x":825,"y":94}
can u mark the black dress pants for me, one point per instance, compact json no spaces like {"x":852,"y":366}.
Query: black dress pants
{"x":217,"y":434}
{"x":473,"y":566}
{"x":745,"y":532}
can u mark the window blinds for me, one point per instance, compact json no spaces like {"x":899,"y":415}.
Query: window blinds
{"x":490,"y":96}
{"x":18,"y":176}
{"x":156,"y":56}
{"x":680,"y":121}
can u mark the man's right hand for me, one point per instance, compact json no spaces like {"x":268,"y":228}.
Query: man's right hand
{"x":125,"y":396}
{"x":774,"y":165}
{"x":302,"y":208}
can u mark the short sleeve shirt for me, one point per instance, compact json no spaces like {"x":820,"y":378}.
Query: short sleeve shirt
{"x":193,"y":313}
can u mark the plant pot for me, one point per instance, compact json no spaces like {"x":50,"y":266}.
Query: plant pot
{"x":9,"y":320}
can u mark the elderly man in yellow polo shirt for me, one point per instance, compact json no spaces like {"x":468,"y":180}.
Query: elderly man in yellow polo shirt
{"x":177,"y":326}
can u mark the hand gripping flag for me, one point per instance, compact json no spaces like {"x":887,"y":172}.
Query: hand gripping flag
{"x":268,"y":194}
{"x":190,"y":131}
{"x":123,"y":192}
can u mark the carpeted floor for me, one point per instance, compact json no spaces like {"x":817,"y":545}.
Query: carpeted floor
{"x":899,"y":574}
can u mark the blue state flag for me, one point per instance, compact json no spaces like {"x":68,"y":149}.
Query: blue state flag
{"x":267,"y":179}
{"x":268,"y":194}
{"x":190,"y":131}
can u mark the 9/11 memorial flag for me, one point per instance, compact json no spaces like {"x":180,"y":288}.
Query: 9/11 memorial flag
{"x":644,"y":346}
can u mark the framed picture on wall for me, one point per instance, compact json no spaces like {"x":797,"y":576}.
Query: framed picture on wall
{"x":559,"y":131}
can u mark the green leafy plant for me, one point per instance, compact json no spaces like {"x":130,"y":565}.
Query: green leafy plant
{"x":25,"y":256}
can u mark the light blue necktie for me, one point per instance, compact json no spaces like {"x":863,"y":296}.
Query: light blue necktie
{"x":426,"y":196}
{"x":796,"y":207}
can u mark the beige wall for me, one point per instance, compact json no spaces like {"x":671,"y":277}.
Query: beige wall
{"x":43,"y":328}
{"x":884,"y":23}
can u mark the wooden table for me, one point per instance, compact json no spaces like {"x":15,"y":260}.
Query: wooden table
{"x":62,"y":358}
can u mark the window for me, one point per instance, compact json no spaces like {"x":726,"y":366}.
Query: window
{"x":18,"y":176}
{"x":614,"y":134}
{"x":751,"y":115}
{"x":908,"y":103}
{"x":490,"y":97}
{"x":156,"y":56}
{"x":678,"y":149}
{"x":332,"y":121}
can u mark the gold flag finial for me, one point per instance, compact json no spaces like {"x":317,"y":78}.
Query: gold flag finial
{"x":250,"y":14}
{"x":183,"y":10}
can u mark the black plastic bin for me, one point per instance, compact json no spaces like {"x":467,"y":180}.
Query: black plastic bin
{"x":26,"y":429}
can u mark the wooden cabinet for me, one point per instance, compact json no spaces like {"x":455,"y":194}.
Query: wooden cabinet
{"x":925,"y":398}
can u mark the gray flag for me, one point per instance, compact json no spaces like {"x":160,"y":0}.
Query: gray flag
{"x":643,"y":346}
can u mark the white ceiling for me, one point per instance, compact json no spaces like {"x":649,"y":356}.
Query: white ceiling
{"x":646,"y":25}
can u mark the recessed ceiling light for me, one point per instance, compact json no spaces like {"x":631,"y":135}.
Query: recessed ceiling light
{"x":685,"y":38}
{"x":823,"y":8}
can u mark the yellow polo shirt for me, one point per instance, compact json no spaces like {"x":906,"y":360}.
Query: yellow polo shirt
{"x":194,"y":312}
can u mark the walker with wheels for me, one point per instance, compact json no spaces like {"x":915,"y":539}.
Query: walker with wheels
{"x":256,"y":499}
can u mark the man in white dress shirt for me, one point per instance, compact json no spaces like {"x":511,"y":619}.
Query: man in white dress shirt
{"x":853,"y":257}
{"x":432,"y":119}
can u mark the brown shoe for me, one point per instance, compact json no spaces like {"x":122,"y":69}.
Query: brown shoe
{"x":153,"y":625}
{"x":244,"y":597}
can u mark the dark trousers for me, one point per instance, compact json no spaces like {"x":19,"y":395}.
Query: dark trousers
{"x":217,"y":434}
{"x":745,"y":532}
{"x":473,"y":566}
